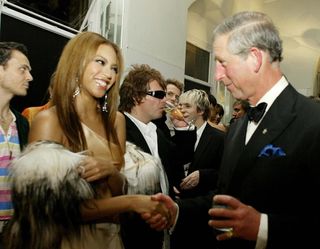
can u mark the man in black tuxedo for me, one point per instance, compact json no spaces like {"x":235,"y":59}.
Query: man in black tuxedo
{"x":142,"y":99}
{"x":202,"y":171}
{"x":270,"y":174}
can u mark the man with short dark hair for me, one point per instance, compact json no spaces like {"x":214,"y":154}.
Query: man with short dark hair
{"x":14,"y":81}
{"x":240,"y":108}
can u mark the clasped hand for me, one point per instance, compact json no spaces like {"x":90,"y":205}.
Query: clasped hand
{"x":158,"y":221}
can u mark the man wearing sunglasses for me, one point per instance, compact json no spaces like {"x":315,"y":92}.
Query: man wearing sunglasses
{"x":143,"y":99}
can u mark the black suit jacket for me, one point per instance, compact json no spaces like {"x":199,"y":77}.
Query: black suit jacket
{"x":284,"y":187}
{"x":207,"y":159}
{"x":161,"y":124}
{"x":22,"y":127}
{"x":173,"y":152}
{"x":135,"y":232}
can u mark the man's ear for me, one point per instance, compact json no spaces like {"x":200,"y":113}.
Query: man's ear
{"x":257,"y":58}
{"x":141,"y":100}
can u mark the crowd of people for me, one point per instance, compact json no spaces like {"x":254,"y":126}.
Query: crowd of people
{"x":141,"y":163}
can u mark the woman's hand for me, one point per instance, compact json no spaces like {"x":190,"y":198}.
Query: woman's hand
{"x":99,"y":209}
{"x":92,"y":168}
{"x":145,"y":204}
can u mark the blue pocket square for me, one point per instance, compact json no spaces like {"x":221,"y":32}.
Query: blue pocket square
{"x":271,"y":151}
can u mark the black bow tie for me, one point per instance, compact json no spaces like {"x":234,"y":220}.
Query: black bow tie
{"x":256,"y":113}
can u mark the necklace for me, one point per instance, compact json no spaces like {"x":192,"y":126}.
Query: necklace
{"x":5,"y":121}
{"x":4,"y":117}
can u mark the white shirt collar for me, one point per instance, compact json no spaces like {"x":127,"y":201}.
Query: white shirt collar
{"x":274,"y":92}
{"x":144,"y":128}
{"x":149,"y":133}
{"x":268,"y":98}
{"x":201,"y":129}
{"x":199,"y":134}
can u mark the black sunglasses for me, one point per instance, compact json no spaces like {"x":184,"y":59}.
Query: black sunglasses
{"x":157,"y":94}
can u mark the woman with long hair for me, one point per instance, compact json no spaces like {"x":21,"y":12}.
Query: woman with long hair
{"x":84,"y":117}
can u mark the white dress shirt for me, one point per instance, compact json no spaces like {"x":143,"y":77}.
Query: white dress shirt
{"x":149,"y":132}
{"x":199,"y":134}
{"x":268,"y":98}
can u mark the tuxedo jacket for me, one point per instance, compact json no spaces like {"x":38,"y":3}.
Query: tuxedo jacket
{"x":135,"y":232}
{"x":161,"y":124}
{"x":283,"y":187}
{"x":173,"y":152}
{"x":207,"y":159}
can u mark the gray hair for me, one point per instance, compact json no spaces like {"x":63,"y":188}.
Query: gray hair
{"x":250,"y":29}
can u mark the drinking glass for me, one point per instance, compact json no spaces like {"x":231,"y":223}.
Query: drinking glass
{"x":221,"y":229}
{"x":173,"y":111}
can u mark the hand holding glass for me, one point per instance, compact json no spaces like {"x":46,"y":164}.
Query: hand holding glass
{"x":222,"y":229}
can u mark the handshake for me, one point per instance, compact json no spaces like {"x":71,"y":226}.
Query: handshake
{"x":162,"y":212}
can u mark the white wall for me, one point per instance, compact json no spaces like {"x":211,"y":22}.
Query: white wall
{"x":154,"y":33}
{"x":299,"y":27}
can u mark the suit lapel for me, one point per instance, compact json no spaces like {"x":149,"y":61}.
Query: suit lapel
{"x":268,"y":130}
{"x":233,"y":148}
{"x":204,"y":140}
{"x":162,"y":145}
{"x":134,"y":136}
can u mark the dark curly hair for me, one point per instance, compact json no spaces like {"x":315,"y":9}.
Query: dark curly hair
{"x":136,"y":85}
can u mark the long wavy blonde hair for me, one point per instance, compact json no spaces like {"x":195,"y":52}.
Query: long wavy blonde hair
{"x":76,"y":55}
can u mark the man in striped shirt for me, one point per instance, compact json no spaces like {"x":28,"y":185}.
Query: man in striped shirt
{"x":14,"y":81}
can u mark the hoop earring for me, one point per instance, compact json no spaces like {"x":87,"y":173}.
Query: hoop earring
{"x":76,"y":92}
{"x":105,"y":103}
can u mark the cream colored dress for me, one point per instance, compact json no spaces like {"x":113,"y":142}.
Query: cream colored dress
{"x":105,"y":235}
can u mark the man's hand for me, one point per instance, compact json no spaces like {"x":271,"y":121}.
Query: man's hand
{"x":191,"y":180}
{"x":244,"y":220}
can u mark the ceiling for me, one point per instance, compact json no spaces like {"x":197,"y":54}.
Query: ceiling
{"x":298,"y":20}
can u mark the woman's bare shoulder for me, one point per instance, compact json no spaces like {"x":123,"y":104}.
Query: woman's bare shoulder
{"x":46,"y":126}
{"x":46,"y":117}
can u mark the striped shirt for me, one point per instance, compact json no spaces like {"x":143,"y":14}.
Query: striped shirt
{"x":9,"y":149}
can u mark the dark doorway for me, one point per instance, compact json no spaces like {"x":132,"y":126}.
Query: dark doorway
{"x":44,"y":49}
